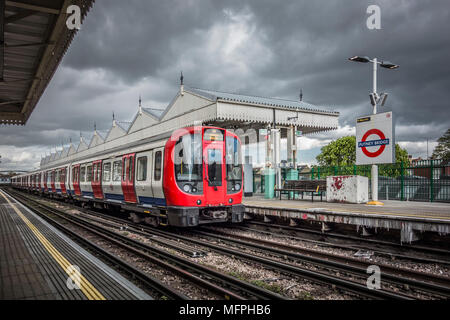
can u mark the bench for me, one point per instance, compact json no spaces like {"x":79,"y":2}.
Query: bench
{"x":302,"y":186}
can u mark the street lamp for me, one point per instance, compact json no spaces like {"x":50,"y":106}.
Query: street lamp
{"x":375,"y":99}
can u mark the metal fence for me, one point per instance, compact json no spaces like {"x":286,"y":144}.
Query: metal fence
{"x":425,"y":180}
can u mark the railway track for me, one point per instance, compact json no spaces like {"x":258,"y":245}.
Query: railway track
{"x":346,"y":285}
{"x":431,"y":283}
{"x":421,"y":281}
{"x":222,"y":285}
{"x":151,"y":284}
{"x":385,"y":248}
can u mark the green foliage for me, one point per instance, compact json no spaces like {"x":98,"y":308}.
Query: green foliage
{"x":340,"y":152}
{"x":339,"y":157}
{"x":442,"y":150}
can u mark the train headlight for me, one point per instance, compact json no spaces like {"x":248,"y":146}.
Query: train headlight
{"x":199,"y":202}
{"x":187,"y":188}
{"x":230,"y":200}
{"x":237,"y":187}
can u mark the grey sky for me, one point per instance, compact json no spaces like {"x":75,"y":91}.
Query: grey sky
{"x":260,"y":47}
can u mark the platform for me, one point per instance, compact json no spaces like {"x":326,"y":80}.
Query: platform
{"x":38,"y":262}
{"x":409,"y":217}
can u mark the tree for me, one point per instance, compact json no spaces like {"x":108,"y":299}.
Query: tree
{"x":442,"y":150}
{"x":401,"y":155}
{"x":342,"y":152}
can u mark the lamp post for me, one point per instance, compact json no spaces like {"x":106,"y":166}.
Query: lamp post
{"x":375,"y":99}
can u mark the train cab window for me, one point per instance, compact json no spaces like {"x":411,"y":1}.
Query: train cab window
{"x":89,"y":173}
{"x":141,"y":169}
{"x":107,"y":172}
{"x":83,"y":174}
{"x":234,"y":164}
{"x":117,"y":170}
{"x":188,"y":158}
{"x":158,"y":165}
{"x":214,"y":167}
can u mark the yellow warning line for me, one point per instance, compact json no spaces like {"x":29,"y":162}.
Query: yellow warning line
{"x":86,"y":287}
{"x":430,"y":216}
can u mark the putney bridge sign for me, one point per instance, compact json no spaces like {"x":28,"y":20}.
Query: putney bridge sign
{"x":375,"y":139}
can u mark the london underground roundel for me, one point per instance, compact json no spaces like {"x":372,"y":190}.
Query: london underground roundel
{"x":375,"y":139}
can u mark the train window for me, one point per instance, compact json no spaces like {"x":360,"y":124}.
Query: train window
{"x":125,"y":169}
{"x":130,"y":169}
{"x":107,"y":172}
{"x":158,"y":165}
{"x":83,"y":174}
{"x":95,"y":172}
{"x":233,"y":159}
{"x":117,"y":170}
{"x":214,"y":167}
{"x":141,"y":169}
{"x":88,"y":173}
{"x":213,"y":135}
{"x":188,"y":158}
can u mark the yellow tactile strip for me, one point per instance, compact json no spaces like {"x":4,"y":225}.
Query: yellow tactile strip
{"x":86,"y":287}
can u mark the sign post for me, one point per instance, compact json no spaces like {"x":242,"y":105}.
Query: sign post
{"x":375,"y":99}
{"x":375,"y":144}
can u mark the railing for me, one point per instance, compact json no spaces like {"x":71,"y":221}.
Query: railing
{"x":425,"y":180}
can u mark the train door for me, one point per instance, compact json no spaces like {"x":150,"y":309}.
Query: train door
{"x":62,"y":181}
{"x":129,"y":193}
{"x":76,"y":179}
{"x":214,"y":186}
{"x":97,"y":179}
{"x":157,"y":176}
{"x":44,"y":179}
{"x":143,"y":185}
{"x":52,"y":181}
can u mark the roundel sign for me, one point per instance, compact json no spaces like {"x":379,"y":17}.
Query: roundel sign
{"x":375,"y":140}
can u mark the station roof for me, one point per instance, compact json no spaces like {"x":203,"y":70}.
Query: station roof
{"x":33,"y":40}
{"x":273,"y":102}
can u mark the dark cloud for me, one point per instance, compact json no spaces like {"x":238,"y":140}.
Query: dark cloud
{"x":260,"y":47}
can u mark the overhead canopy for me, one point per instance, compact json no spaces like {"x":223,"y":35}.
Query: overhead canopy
{"x":193,"y":106}
{"x":33,"y":40}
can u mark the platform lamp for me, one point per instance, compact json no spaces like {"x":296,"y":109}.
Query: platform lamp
{"x":375,"y":99}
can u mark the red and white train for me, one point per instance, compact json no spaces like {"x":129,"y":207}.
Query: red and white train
{"x":190,"y":177}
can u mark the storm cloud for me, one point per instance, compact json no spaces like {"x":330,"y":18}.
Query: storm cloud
{"x":267,"y":48}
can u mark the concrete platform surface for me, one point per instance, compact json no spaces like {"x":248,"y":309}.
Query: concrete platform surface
{"x":391,"y":209}
{"x":38,"y":262}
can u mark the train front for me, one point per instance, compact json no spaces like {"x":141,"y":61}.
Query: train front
{"x":203,"y":177}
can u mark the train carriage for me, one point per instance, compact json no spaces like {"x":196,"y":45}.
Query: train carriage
{"x":190,"y":177}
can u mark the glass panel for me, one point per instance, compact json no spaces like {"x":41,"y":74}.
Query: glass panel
{"x":83,"y":174}
{"x":95,"y":173}
{"x":125,"y":169}
{"x":130,"y":169}
{"x":213,"y":135}
{"x":214,"y":167}
{"x":158,"y":164}
{"x":107,"y":172}
{"x":188,"y":158}
{"x":117,"y":170}
{"x":233,"y":159}
{"x":141,"y":169}
{"x":89,"y":174}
